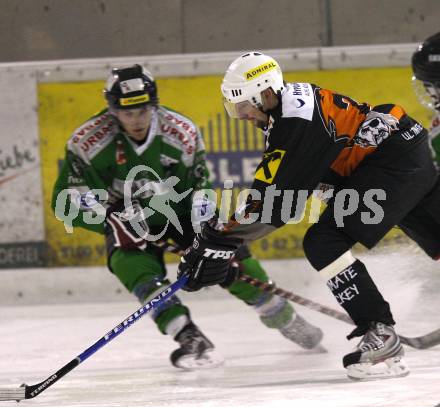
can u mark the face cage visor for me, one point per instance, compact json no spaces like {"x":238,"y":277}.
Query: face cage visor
{"x":239,"y":110}
{"x":428,"y":93}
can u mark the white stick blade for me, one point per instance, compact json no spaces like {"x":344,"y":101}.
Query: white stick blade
{"x":12,"y":394}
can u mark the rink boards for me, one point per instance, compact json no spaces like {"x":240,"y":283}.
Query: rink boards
{"x":55,"y":97}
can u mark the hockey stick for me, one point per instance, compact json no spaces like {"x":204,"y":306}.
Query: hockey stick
{"x":30,"y":391}
{"x":421,"y":342}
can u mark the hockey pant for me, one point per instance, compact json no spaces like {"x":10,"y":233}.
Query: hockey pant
{"x":412,"y":202}
{"x":143,"y":273}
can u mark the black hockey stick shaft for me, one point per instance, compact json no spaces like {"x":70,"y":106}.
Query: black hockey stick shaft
{"x":421,"y":342}
{"x":273,"y":289}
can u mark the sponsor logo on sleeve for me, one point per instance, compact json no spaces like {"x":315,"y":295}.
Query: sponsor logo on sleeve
{"x":299,"y":103}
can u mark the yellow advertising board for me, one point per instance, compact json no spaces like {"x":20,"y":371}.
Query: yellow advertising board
{"x":232,"y":146}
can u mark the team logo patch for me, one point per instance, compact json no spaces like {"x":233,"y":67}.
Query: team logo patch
{"x":375,"y":129}
{"x":299,"y":103}
{"x":132,"y":85}
{"x":268,"y":167}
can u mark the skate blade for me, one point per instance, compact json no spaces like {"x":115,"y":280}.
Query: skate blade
{"x":209,"y":360}
{"x":389,"y":369}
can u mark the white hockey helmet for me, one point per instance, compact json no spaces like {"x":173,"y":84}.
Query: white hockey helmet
{"x":246,"y":78}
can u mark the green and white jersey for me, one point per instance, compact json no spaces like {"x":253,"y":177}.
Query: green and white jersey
{"x":434,"y":136}
{"x":100,"y":156}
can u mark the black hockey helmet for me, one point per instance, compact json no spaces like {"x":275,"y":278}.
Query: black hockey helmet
{"x":426,"y":60}
{"x":426,"y":69}
{"x":130,"y":88}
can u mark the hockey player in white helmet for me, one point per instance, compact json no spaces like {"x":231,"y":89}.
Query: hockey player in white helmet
{"x":315,"y":136}
{"x":244,"y":82}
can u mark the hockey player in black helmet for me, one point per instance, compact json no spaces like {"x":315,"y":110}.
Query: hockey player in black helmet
{"x":426,"y":80}
{"x":129,"y":87}
{"x":136,"y":131}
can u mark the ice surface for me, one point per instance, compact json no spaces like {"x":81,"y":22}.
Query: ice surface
{"x":262,"y":368}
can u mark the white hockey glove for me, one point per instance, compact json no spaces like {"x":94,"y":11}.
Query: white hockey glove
{"x":203,"y":209}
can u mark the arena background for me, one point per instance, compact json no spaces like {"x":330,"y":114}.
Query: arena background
{"x":66,"y":29}
{"x":57,"y":53}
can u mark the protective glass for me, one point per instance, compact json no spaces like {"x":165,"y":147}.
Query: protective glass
{"x":238,"y":110}
{"x":428,"y":93}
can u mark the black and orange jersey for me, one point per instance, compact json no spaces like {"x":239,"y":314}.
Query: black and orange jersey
{"x":314,"y":132}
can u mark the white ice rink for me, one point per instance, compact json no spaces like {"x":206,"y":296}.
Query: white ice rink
{"x":262,"y":368}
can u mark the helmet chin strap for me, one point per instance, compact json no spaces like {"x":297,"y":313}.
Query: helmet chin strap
{"x":262,"y":125}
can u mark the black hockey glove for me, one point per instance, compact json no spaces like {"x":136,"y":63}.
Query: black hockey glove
{"x":126,"y":226}
{"x":208,"y":260}
{"x":233,"y":274}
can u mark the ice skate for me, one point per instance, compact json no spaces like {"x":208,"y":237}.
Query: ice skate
{"x":196,"y":350}
{"x":303,"y":333}
{"x":379,"y":355}
{"x":276,"y":312}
